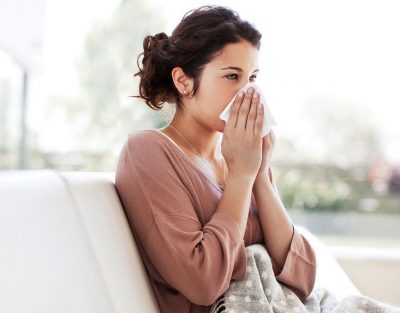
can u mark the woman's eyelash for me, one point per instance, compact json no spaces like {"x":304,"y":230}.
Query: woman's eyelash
{"x":230,"y":76}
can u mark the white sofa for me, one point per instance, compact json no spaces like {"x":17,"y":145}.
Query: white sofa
{"x":66,"y":246}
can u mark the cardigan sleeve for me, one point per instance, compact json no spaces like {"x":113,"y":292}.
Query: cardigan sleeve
{"x":299,"y":269}
{"x":196,"y":260}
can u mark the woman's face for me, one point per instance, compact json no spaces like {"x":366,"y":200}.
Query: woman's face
{"x":222,"y":78}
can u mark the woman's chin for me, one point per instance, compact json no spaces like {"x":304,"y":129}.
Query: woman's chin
{"x":222,"y":127}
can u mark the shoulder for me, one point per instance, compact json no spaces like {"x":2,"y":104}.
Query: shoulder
{"x":142,"y":136}
{"x":145,"y":146}
{"x":145,"y":155}
{"x":143,"y":141}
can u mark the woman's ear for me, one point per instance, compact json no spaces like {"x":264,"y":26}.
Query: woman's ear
{"x":181,"y":81}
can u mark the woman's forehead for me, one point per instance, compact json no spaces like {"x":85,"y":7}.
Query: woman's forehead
{"x":241,"y":61}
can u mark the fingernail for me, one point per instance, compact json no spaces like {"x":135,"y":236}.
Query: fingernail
{"x":255,"y":95}
{"x":240,"y":95}
{"x":250,"y":90}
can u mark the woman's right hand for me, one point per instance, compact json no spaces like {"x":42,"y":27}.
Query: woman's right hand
{"x":241,"y":145}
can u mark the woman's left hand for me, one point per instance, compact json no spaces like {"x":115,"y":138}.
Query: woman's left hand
{"x":268,"y":146}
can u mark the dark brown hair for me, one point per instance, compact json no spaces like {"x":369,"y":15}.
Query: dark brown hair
{"x":200,"y":35}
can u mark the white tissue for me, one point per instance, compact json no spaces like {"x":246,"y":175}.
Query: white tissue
{"x":268,"y":118}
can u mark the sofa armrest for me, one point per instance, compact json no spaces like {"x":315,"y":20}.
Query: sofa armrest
{"x":330,"y":274}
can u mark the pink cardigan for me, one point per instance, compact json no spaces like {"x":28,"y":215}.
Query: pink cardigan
{"x":190,"y":252}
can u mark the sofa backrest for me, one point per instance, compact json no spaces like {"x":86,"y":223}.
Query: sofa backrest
{"x":66,"y":246}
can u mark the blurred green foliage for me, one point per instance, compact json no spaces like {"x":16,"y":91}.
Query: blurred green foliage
{"x":330,"y":188}
{"x":310,"y":189}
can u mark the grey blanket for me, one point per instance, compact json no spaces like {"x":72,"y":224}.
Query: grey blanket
{"x":261,"y":292}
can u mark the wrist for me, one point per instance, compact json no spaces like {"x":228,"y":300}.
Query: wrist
{"x":262,"y":183}
{"x":241,"y":180}
{"x":261,"y":178}
{"x":265,"y":175}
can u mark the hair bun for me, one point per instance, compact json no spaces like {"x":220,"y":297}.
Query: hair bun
{"x":161,"y":36}
{"x":160,"y":40}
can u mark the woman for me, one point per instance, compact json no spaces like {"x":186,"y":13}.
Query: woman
{"x":194,"y":201}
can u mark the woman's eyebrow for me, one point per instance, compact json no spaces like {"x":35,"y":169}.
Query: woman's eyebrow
{"x":236,"y":68}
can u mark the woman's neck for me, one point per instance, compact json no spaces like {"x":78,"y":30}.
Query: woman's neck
{"x":204,"y":140}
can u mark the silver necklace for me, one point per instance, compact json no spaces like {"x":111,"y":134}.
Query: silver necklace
{"x":205,"y":161}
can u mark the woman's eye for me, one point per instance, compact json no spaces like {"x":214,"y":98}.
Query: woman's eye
{"x":235,"y":76}
{"x":232,"y":76}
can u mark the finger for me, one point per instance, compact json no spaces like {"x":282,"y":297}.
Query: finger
{"x":259,"y":122}
{"x":269,"y":143}
{"x":272,"y":136}
{"x":235,"y":110}
{"x":244,"y":109}
{"x":252,"y":114}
